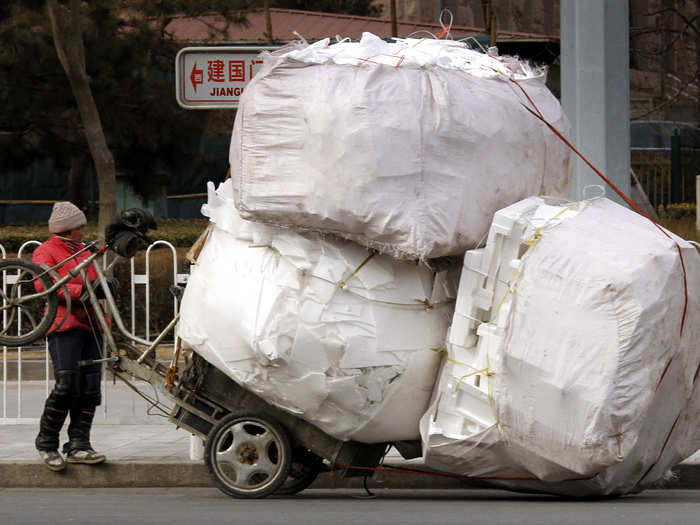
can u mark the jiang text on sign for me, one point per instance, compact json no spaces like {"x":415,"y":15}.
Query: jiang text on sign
{"x":215,"y":77}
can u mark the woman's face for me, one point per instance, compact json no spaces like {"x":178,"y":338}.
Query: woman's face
{"x":77,"y":234}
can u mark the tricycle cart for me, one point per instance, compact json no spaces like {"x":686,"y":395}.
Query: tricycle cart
{"x":252,"y":448}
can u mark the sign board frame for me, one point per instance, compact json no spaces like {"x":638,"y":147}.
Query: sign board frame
{"x":181,"y":75}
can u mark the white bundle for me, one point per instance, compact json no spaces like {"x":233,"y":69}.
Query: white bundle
{"x":407,"y":147}
{"x":567,"y":369}
{"x":317,"y":327}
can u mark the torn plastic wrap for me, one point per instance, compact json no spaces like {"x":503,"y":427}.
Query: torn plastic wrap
{"x":406,"y":147}
{"x":318,"y":327}
{"x":565,"y":370}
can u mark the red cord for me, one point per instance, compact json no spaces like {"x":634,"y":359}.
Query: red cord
{"x":629,"y":201}
{"x":435,"y":474}
{"x":445,"y":474}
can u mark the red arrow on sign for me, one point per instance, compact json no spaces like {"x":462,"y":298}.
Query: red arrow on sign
{"x":196,"y":77}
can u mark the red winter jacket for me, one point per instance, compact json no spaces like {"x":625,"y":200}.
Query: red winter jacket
{"x":51,"y":253}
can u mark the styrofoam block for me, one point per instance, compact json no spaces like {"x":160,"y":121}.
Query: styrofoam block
{"x":504,"y":226}
{"x":449,"y":425}
{"x":582,"y":326}
{"x":483,"y":299}
{"x":464,"y":332}
{"x":473,"y":403}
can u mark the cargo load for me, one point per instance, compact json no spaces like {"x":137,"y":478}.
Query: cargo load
{"x":318,"y":327}
{"x":406,"y":147}
{"x":565,"y":368}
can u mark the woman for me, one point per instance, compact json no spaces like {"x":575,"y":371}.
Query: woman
{"x":77,"y":388}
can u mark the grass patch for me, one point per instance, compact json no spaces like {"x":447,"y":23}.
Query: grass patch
{"x":678,"y":211}
{"x":681,"y":220}
{"x":683,"y":227}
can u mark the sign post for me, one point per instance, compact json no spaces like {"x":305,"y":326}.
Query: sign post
{"x":215,"y":77}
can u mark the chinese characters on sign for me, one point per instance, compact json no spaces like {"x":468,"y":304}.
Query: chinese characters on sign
{"x":215,"y":76}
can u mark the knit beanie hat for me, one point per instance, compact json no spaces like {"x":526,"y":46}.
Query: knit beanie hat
{"x":65,"y":217}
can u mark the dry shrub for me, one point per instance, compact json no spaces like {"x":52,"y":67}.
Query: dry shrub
{"x":179,"y":232}
{"x":684,"y":227}
{"x":678,"y":211}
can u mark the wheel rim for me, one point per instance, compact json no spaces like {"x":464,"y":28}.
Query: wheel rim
{"x":17,"y":322}
{"x":247,"y":455}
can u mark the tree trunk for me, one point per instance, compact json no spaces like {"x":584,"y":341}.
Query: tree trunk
{"x":76,"y":180}
{"x":68,"y":40}
{"x":268,"y":22}
{"x":697,"y":73}
{"x":392,"y":13}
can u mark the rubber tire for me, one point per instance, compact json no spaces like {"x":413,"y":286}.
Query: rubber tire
{"x":283,"y":446}
{"x":49,"y":315}
{"x":294,"y":485}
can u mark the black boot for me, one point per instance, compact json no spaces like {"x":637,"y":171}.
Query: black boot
{"x":55,"y":411}
{"x":78,"y":449}
{"x":50,"y":425}
{"x":79,"y":428}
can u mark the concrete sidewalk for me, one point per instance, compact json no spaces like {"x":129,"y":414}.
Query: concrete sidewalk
{"x":148,"y":451}
{"x":158,"y":455}
{"x":142,"y":450}
{"x":155,"y":455}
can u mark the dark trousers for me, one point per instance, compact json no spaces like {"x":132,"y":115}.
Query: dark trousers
{"x":76,"y":392}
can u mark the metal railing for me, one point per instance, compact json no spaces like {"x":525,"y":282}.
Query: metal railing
{"x":655,"y":178}
{"x":144,"y":280}
{"x":14,"y":356}
{"x":667,"y":173}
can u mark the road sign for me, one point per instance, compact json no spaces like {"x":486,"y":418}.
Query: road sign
{"x":215,"y":77}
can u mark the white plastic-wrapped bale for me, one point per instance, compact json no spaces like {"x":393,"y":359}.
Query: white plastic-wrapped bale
{"x":406,"y":147}
{"x":567,"y":370}
{"x":316,"y":326}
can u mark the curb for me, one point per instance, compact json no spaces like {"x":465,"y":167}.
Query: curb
{"x":23,"y":474}
{"x":125,"y":474}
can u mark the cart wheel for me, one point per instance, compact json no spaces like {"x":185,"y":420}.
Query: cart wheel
{"x":248,"y":455}
{"x":26,"y":322}
{"x":302,"y":473}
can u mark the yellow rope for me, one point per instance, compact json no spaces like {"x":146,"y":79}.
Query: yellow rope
{"x":484,"y":371}
{"x":442,"y":352}
{"x":344,"y":281}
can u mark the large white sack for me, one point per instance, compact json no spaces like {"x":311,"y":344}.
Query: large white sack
{"x":566,"y":368}
{"x":406,"y":147}
{"x":265,"y":306}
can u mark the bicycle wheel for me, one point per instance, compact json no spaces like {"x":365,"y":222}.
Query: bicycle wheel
{"x":22,"y":323}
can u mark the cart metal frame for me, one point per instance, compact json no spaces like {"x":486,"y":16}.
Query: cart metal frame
{"x":253,"y":449}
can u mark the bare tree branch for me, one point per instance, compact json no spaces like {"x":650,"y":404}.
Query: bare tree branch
{"x":674,"y":10}
{"x":670,"y":101}
{"x":689,"y":23}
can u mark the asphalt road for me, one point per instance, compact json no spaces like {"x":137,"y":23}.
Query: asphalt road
{"x":209,"y":506}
